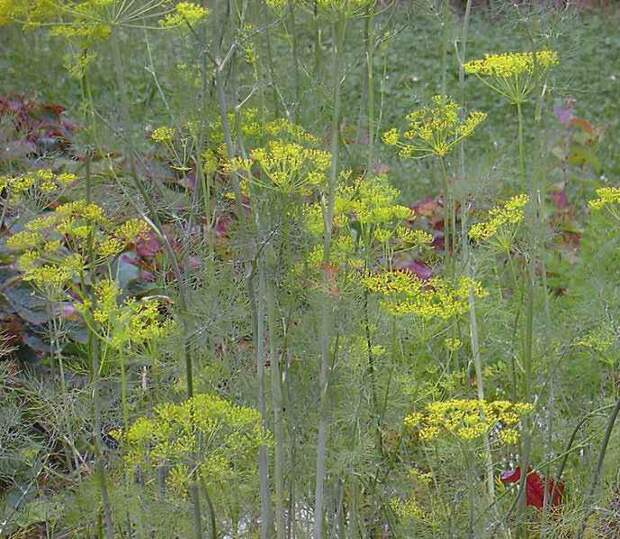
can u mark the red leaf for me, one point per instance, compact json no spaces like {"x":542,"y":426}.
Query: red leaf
{"x":421,"y":270}
{"x":426,"y":207}
{"x":559,"y":199}
{"x":535,"y":487}
{"x":148,"y":246}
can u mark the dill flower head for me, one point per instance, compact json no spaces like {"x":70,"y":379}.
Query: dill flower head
{"x":184,"y":13}
{"x":502,"y":221}
{"x":370,"y":206}
{"x":407,"y":509}
{"x":403,"y":293}
{"x":512,"y":64}
{"x":607,"y":197}
{"x":225,"y":438}
{"x":75,"y":236}
{"x":163,"y":135}
{"x":39,"y":186}
{"x":287,"y":167}
{"x":433,"y":130}
{"x":468,"y":420}
{"x":130,"y":323}
{"x":513,"y":74}
{"x":346,"y":6}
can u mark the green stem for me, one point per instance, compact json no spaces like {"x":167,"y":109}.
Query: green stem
{"x":339,"y":28}
{"x":294,"y":46}
{"x":521,"y":145}
{"x":276,"y":400}
{"x":258,"y":309}
{"x":93,"y":353}
{"x":449,"y":224}
{"x":370,"y":82}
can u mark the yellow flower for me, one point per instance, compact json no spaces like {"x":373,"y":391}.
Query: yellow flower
{"x":468,"y":420}
{"x":225,"y":436}
{"x":513,"y":74}
{"x":502,"y":219}
{"x":185,"y":13}
{"x":163,"y":135}
{"x":404,"y":294}
{"x":433,"y":130}
{"x":607,"y":196}
{"x":288,"y":167}
{"x":131,"y":230}
{"x":512,"y":64}
{"x":24,"y":240}
{"x":452,"y":344}
{"x":407,"y":509}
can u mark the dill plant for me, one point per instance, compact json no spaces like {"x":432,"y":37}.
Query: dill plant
{"x":281,"y":254}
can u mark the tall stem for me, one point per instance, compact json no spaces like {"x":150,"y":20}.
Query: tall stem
{"x":326,"y":304}
{"x":258,"y":309}
{"x":370,"y":82}
{"x":521,"y":144}
{"x":276,"y":403}
{"x":528,"y":331}
{"x":93,"y":353}
{"x":294,"y":46}
{"x":449,"y":223}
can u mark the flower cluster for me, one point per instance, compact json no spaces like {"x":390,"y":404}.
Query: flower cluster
{"x":514,"y":74}
{"x":408,"y":508}
{"x":224,"y":437}
{"x":452,"y":344}
{"x":35,"y":185}
{"x":608,"y":197}
{"x":184,"y":13}
{"x":59,"y":245}
{"x":371,"y":202}
{"x":433,"y":130}
{"x":468,"y":420}
{"x":599,"y":340}
{"x":501,"y":220}
{"x":163,"y":135}
{"x":403,"y":293}
{"x":287,"y":167}
{"x":512,"y":64}
{"x":127,"y":323}
{"x":347,"y":6}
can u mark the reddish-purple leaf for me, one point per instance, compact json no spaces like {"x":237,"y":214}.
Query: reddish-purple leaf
{"x":148,"y":246}
{"x":421,"y":270}
{"x":535,"y":486}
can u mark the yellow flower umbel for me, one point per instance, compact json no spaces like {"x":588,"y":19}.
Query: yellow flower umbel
{"x":515,"y":74}
{"x":218,"y":438}
{"x":185,"y":13}
{"x":130,"y":323}
{"x":58,"y":246}
{"x":404,"y":294}
{"x":502,"y":223}
{"x":468,"y":420}
{"x":608,"y":199}
{"x":163,"y":135}
{"x":370,"y":206}
{"x":348,"y":6}
{"x":433,"y":130}
{"x":343,"y":6}
{"x":287,"y":167}
{"x":38,"y":186}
